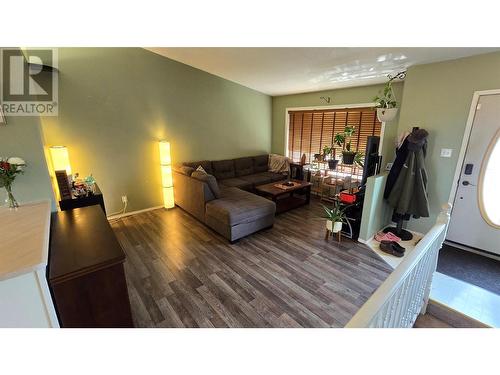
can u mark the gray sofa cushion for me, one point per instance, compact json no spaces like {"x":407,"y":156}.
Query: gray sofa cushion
{"x":257,"y":179}
{"x":223,"y":169}
{"x":243,"y":166}
{"x":206,"y":164}
{"x":210,"y":180}
{"x":237,"y":207}
{"x":260,"y":163}
{"x":273,"y":176}
{"x":237,"y":182}
{"x":191,"y":194}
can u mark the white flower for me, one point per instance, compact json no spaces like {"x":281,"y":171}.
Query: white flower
{"x":16,"y":161}
{"x":20,"y":163}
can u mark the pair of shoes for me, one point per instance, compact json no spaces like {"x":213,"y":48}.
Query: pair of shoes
{"x":392,"y":248}
{"x":381,"y":236}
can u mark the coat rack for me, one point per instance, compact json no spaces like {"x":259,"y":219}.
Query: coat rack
{"x":398,"y":230}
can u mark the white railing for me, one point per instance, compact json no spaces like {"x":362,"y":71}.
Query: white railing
{"x":405,"y":293}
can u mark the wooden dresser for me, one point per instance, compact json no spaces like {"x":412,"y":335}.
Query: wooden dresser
{"x":24,"y":293}
{"x":86,"y":274}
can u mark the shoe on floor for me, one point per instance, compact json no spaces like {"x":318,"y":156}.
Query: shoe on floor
{"x":381,"y":236}
{"x":398,"y":246}
{"x":392,"y":248}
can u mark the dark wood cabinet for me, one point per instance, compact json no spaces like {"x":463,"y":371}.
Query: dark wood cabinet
{"x":86,"y":275}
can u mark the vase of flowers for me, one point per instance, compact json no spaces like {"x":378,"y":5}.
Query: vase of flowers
{"x":9,"y":169}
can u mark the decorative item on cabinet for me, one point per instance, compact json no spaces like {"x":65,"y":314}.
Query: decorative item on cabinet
{"x":94,"y":198}
{"x":9,"y":169}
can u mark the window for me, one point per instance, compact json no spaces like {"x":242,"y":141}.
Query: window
{"x":489,"y":201}
{"x":310,"y":131}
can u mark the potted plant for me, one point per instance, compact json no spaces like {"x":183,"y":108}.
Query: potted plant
{"x":335,"y":217}
{"x":386,"y":103}
{"x":344,"y":140}
{"x":359,"y":159}
{"x":9,"y":169}
{"x":329,"y":156}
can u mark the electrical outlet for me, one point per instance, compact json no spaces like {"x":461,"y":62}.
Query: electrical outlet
{"x":446,"y":152}
{"x":124,"y":199}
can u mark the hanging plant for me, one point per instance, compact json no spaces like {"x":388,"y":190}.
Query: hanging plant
{"x":386,"y":102}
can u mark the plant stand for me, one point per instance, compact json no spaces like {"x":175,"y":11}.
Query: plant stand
{"x":330,"y":233}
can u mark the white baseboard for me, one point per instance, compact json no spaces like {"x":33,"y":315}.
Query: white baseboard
{"x":469,"y":249}
{"x":119,"y":216}
{"x":363,"y":241}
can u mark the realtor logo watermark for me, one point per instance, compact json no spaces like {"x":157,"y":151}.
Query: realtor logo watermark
{"x":29,"y":82}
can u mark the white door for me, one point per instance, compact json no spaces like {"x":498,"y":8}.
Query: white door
{"x":475,"y":219}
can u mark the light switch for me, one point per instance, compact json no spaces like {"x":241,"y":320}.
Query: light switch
{"x":446,"y":152}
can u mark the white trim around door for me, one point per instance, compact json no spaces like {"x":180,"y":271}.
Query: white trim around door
{"x":326,"y":107}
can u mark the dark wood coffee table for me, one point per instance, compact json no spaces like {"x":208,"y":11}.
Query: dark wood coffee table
{"x":286,"y":199}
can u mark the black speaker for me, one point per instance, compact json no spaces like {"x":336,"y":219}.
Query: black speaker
{"x":372,"y":159}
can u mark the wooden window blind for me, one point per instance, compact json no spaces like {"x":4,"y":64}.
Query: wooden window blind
{"x":310,"y":131}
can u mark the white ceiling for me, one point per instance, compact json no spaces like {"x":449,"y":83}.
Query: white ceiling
{"x":281,"y":71}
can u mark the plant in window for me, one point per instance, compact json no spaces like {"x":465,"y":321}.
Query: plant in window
{"x":344,"y":140}
{"x":327,"y":152}
{"x":329,"y":156}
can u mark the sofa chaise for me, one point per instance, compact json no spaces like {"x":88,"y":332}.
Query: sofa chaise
{"x":223,"y":198}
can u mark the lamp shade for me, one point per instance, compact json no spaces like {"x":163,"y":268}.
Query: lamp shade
{"x":166,"y":174}
{"x":60,"y":159}
{"x":165,"y":158}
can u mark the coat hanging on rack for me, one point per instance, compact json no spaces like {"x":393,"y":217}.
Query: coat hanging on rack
{"x":407,"y":189}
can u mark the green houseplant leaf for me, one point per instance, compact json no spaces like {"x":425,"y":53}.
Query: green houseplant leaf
{"x":334,"y":214}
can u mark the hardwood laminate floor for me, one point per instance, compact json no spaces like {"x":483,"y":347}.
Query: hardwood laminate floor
{"x":180,"y":273}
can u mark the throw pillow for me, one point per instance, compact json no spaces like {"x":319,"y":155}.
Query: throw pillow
{"x":278,"y":163}
{"x":209,"y":179}
{"x":200,"y":169}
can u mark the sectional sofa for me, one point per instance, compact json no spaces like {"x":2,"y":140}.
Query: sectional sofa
{"x":224,"y":198}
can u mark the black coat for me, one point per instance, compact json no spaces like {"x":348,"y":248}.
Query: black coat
{"x":408,"y":193}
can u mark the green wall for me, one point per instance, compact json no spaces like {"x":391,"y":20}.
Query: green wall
{"x":352,"y":95}
{"x":437,"y":97}
{"x":116,"y":103}
{"x":22,"y":137}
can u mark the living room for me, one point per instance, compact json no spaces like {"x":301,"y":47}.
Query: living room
{"x":257,"y":187}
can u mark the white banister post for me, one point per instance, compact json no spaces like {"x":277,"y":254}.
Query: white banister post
{"x":443,"y":218}
{"x":444,"y":215}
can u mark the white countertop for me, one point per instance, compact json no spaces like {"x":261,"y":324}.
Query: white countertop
{"x":24,"y":238}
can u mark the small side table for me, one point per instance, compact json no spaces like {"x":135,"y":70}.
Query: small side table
{"x":90,"y":200}
{"x":297,"y":171}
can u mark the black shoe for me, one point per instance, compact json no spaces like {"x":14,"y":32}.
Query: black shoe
{"x":389,"y":248}
{"x":398,"y":246}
